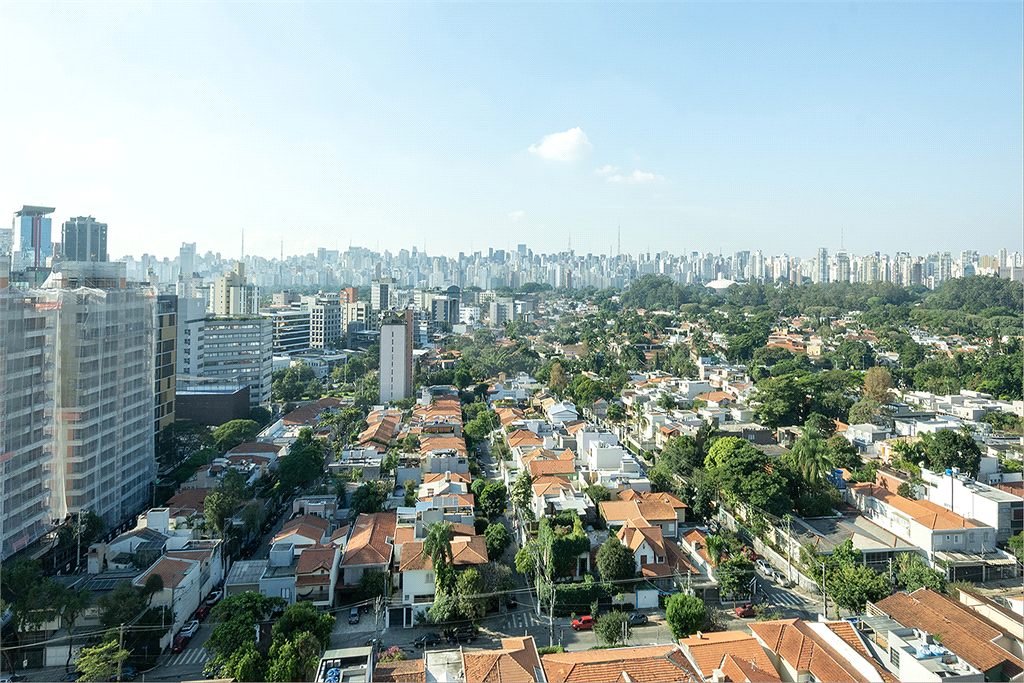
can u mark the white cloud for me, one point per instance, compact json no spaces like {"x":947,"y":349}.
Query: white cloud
{"x":568,"y":146}
{"x":606,"y":170}
{"x":637,"y":177}
{"x":517,"y":214}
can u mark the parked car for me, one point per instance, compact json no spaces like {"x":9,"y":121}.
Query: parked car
{"x":128,"y":673}
{"x":461,"y":634}
{"x":202,"y":612}
{"x":583,"y":623}
{"x":424,"y":641}
{"x":765,"y":568}
{"x":637,"y":618}
{"x":73,"y":676}
{"x":180,"y":643}
{"x":214,"y":597}
{"x":189,"y":629}
{"x":11,"y":678}
{"x":213,"y":671}
{"x":745,"y":610}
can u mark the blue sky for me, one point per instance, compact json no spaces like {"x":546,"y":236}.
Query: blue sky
{"x":693,"y":126}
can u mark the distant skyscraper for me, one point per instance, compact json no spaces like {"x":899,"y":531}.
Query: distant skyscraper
{"x":380,"y":294}
{"x":85,"y":240}
{"x":821,"y":266}
{"x":233,"y":296}
{"x":187,"y":255}
{"x":396,"y":335}
{"x":32,"y":237}
{"x":842,"y":267}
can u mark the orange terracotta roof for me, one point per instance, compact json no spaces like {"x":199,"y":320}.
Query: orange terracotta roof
{"x":516,"y":662}
{"x":804,"y":650}
{"x":404,"y":671}
{"x":524,"y":437}
{"x":308,"y":414}
{"x":463,"y":477}
{"x":250,"y":448}
{"x":433,"y":442}
{"x":550,"y":484}
{"x":737,"y":670}
{"x":707,"y":650}
{"x":189,"y":498}
{"x":171,"y":570}
{"x":369,"y":544}
{"x":921,"y":511}
{"x":963,"y":633}
{"x":844,"y":630}
{"x":652,"y":511}
{"x":316,"y":558}
{"x":656,"y":663}
{"x":539,"y":468}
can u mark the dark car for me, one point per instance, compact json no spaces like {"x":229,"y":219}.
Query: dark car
{"x":128,"y":673}
{"x":180,"y":643}
{"x":353,"y":615}
{"x":745,"y":610}
{"x":461,"y":634}
{"x":424,"y":641}
{"x":213,"y":671}
{"x":202,"y":612}
{"x":637,"y":618}
{"x":73,"y":676}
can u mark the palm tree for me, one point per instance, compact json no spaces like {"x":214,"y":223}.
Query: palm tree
{"x":716,"y":549}
{"x":812,"y":456}
{"x":438,"y":547}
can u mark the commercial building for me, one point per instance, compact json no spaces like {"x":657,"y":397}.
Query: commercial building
{"x":396,"y":357}
{"x":380,"y":293}
{"x":291,"y":330}
{"x":84,"y":239}
{"x":32,"y":241}
{"x":324,"y":319}
{"x":239,"y":348}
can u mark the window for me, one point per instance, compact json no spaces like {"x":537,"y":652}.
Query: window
{"x":894,"y":656}
{"x":286,"y":593}
{"x":430,"y":577}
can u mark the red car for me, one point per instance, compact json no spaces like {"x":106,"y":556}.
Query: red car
{"x":201,"y":613}
{"x":180,"y":643}
{"x":583,"y":623}
{"x":747,"y":610}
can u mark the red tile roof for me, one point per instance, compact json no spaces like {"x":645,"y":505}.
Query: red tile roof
{"x":707,"y":650}
{"x":656,"y":663}
{"x":369,"y":544}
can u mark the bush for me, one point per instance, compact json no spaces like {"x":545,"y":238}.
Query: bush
{"x":550,"y":650}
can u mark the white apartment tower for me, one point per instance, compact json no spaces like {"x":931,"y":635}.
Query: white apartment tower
{"x":26,"y":417}
{"x":821,"y":266}
{"x":232,"y":296}
{"x":396,"y":335}
{"x":103,"y":390}
{"x":238,"y":348}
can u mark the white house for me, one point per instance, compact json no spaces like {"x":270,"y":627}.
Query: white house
{"x":975,"y":500}
{"x":559,"y":413}
{"x":182,"y":591}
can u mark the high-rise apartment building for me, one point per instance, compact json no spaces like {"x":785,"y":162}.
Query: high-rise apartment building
{"x":165,"y":359}
{"x":842,"y":273}
{"x":27,"y":358}
{"x":84,"y":240}
{"x":380,"y":294}
{"x":350,"y":295}
{"x":821,"y":267}
{"x":324,"y":319}
{"x":232,"y":295}
{"x":33,"y":244}
{"x":396,"y":335}
{"x":103,"y":391}
{"x":191,"y":326}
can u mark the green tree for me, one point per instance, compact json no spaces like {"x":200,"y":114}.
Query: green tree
{"x":526,"y":558}
{"x":948,"y":448}
{"x":681,"y":455}
{"x":304,"y":464}
{"x":811,"y":455}
{"x":410,"y":493}
{"x":1016,"y":545}
{"x":716,"y":548}
{"x":853,"y":585}
{"x":557,"y":380}
{"x":497,"y":539}
{"x":779,"y":401}
{"x":438,"y":547}
{"x":219,"y":507}
{"x":598,"y":493}
{"x":685,"y":614}
{"x":121,"y":605}
{"x":246,"y":663}
{"x":821,"y":424}
{"x":863,"y":411}
{"x":878,"y":385}
{"x":522,"y":491}
{"x":492,"y":500}
{"x":468,"y":589}
{"x":302,"y":617}
{"x":373,"y":584}
{"x":734,"y":575}
{"x":615,"y":562}
{"x":294,"y":660}
{"x":236,"y":617}
{"x":912,"y":573}
{"x":101,"y":662}
{"x":234,"y":433}
{"x":613,"y":628}
{"x":368,"y":498}
{"x":253,"y":516}
{"x":843,"y":453}
{"x":69,"y":604}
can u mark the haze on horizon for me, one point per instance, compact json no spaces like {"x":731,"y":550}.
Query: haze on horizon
{"x":463,"y":126}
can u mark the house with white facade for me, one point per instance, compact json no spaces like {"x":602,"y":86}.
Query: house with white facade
{"x":972,"y":499}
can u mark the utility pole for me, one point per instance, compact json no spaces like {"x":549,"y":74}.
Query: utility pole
{"x":824,"y":593}
{"x":789,"y":547}
{"x":120,"y":647}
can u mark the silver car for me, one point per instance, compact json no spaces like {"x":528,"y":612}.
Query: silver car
{"x":765,"y":568}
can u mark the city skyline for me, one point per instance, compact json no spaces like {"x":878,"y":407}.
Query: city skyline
{"x":696,"y":127}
